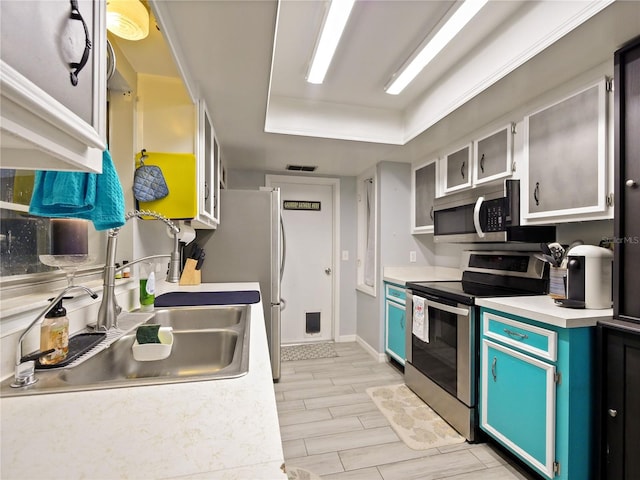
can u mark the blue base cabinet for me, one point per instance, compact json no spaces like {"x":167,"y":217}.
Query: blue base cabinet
{"x":537,"y":392}
{"x":395,"y":321}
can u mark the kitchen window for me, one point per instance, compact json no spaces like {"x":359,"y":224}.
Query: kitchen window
{"x":367,"y":233}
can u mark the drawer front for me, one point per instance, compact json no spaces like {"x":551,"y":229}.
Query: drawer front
{"x":395,"y":293}
{"x":525,"y":337}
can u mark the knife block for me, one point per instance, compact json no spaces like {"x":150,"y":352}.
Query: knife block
{"x":190,"y":276}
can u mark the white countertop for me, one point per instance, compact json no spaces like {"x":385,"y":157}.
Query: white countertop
{"x":542,"y":309}
{"x":218,"y":429}
{"x":402,"y":275}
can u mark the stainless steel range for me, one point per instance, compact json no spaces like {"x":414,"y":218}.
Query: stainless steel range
{"x":443,"y":325}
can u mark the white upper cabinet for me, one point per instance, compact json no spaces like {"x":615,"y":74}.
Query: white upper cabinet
{"x":565,"y":149}
{"x":456,"y":167}
{"x":53,"y":84}
{"x":423,"y":188}
{"x":493,"y":156}
{"x":208,"y":181}
{"x":484,"y":160}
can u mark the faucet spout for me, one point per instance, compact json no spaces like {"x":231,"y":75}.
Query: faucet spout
{"x":109,"y":308}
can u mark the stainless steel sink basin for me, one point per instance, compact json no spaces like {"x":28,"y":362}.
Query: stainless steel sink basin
{"x":210,"y":342}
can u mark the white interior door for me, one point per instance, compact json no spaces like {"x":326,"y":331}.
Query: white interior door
{"x":307,"y":283}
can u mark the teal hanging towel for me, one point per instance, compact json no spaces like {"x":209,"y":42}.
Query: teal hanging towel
{"x":91,"y":196}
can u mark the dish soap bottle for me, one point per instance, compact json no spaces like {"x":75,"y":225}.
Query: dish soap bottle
{"x":147,"y":286}
{"x":54,"y":334}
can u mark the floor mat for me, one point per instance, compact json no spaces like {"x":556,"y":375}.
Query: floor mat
{"x":413,"y":420}
{"x":307,"y":351}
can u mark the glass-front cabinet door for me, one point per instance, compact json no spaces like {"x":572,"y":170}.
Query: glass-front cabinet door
{"x":457,"y":169}
{"x":493,"y":156}
{"x":423,"y":183}
{"x":208,"y":194}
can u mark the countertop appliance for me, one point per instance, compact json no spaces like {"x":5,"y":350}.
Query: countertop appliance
{"x":443,"y":330}
{"x":249,"y":245}
{"x":589,"y":276}
{"x":486,"y":214}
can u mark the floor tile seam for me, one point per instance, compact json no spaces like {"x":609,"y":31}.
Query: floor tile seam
{"x":310,"y":421}
{"x":497,"y":462}
{"x":303,"y":385}
{"x":466,"y":472}
{"x":377,"y":465}
{"x":482,"y":466}
{"x":329,"y":394}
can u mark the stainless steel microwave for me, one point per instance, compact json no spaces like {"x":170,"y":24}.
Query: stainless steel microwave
{"x":486,"y":214}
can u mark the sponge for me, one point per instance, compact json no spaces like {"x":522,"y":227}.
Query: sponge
{"x":148,"y":334}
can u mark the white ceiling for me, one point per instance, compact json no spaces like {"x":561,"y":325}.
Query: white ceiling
{"x":248,"y":60}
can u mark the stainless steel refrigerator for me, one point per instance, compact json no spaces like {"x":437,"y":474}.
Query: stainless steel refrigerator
{"x":248,"y":245}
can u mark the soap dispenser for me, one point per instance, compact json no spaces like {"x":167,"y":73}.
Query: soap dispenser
{"x":54,"y":334}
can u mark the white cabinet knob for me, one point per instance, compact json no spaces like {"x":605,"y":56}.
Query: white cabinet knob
{"x":631,"y":183}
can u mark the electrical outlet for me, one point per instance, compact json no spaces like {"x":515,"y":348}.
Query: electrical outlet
{"x":412,"y":256}
{"x":345,"y":255}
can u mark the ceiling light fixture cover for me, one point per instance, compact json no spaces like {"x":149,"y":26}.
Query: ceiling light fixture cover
{"x":334,"y":23}
{"x":449,"y":30}
{"x":128,"y":19}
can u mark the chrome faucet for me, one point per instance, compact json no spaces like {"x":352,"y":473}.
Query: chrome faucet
{"x":109,"y":308}
{"x":25,"y":367}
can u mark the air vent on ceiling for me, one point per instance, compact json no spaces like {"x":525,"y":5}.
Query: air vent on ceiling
{"x":302,"y":168}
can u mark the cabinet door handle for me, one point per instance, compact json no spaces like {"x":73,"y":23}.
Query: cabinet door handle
{"x":76,"y":15}
{"x":631,"y":183}
{"x":207,"y":191}
{"x":536,"y":193}
{"x":493,"y":369}
{"x":402,"y":322}
{"x":482,"y":163}
{"x":431,"y":213}
{"x":462,"y":168}
{"x":612,"y":413}
{"x":519,"y":335}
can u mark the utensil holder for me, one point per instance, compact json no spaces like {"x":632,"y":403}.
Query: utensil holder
{"x":190,"y":276}
{"x":557,"y":282}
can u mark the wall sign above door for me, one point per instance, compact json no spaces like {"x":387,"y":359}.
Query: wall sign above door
{"x":301,"y":205}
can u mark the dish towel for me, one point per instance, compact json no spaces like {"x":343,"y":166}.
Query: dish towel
{"x":91,"y":196}
{"x":420,"y":326}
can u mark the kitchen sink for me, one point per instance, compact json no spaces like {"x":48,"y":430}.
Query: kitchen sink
{"x":209,"y":343}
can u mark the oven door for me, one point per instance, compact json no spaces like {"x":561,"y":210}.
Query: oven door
{"x":444,"y":350}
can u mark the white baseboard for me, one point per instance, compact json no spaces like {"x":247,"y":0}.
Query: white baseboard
{"x":380,"y":357}
{"x":345,"y":338}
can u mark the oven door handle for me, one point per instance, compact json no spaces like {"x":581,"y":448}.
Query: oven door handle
{"x":447,"y":308}
{"x":476,"y":216}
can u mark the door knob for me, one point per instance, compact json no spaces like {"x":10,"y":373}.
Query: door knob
{"x":327,"y":271}
{"x":612,"y":413}
{"x":631,"y":183}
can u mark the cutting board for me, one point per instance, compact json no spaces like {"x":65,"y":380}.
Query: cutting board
{"x":179,"y":170}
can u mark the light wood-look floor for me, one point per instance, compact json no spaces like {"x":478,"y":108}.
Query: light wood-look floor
{"x":330,"y":426}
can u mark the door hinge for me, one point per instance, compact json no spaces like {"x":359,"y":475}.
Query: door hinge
{"x":609,"y":84}
{"x":513,"y":128}
{"x":557,"y":378}
{"x":556,"y":468}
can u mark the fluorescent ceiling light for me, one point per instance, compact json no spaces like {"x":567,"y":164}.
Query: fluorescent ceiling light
{"x":449,"y":30}
{"x":332,"y":29}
